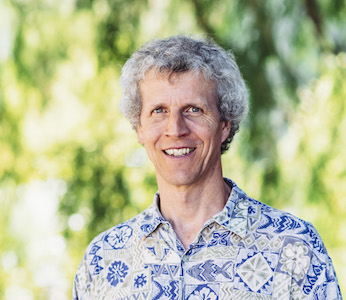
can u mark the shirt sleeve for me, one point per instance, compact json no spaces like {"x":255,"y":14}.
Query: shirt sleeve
{"x":81,"y":282}
{"x":321,"y":281}
{"x":327,"y":288}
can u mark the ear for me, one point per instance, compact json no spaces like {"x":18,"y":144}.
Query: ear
{"x":140,"y":134}
{"x":226,"y":128}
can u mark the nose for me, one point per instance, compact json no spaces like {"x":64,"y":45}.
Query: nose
{"x":176,"y":125}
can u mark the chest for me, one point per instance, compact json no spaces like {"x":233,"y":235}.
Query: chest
{"x":221,"y":266}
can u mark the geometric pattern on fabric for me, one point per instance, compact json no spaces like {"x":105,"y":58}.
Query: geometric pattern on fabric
{"x":165,"y":290}
{"x":226,"y":291}
{"x":136,"y":255}
{"x":313,"y":275}
{"x":275,"y":244}
{"x":164,"y":270}
{"x":281,"y":286}
{"x":238,"y":225}
{"x":116,"y":294}
{"x":211,"y":253}
{"x":229,"y":252}
{"x":98,"y":289}
{"x":137,"y":296}
{"x":297,"y":293}
{"x":249,"y":241}
{"x":96,"y":259}
{"x":244,"y":295}
{"x":262,"y":242}
{"x":255,"y":272}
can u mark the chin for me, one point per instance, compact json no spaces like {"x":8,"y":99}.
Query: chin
{"x":177,"y":180}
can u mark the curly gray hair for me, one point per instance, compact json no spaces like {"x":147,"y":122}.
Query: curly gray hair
{"x":178,"y":54}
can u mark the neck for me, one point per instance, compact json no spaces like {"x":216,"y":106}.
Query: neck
{"x":188,"y":208}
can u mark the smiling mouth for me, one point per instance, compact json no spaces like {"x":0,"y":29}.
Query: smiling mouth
{"x":179,"y":152}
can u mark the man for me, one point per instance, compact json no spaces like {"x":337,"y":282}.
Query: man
{"x":203,"y":237}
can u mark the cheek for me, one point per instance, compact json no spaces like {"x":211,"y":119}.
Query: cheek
{"x":148,"y":136}
{"x":209,"y":131}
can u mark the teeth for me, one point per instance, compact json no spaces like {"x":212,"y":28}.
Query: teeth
{"x":179,"y":152}
{"x":169,"y":151}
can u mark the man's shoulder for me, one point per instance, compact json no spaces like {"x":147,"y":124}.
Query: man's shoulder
{"x":289,"y":228}
{"x":280,"y":222}
{"x":267,"y":218}
{"x":119,"y":237}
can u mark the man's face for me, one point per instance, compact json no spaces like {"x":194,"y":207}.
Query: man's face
{"x":180,"y":127}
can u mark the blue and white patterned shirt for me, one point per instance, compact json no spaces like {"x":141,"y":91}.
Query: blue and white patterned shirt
{"x":247,"y":251}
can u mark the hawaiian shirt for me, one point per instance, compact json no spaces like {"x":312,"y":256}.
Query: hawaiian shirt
{"x":249,"y":250}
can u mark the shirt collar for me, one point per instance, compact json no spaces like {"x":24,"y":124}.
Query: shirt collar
{"x":233,"y":217}
{"x":151,"y":218}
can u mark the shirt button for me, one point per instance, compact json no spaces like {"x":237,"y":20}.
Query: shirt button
{"x":165,"y":226}
{"x":185,"y":259}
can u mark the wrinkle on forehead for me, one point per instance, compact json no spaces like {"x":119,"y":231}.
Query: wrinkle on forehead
{"x":174,"y":77}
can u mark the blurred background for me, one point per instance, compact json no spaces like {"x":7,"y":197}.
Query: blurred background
{"x":71,"y":166}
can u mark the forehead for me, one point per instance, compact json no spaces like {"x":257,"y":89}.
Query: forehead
{"x":155,"y":73}
{"x":183,"y":84}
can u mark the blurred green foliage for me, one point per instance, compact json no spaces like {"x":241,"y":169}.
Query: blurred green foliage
{"x":71,"y":166}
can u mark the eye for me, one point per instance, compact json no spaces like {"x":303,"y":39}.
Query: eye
{"x":194,"y":109}
{"x":159,"y":110}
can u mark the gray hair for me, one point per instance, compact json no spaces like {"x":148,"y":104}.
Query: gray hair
{"x":179,"y":54}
